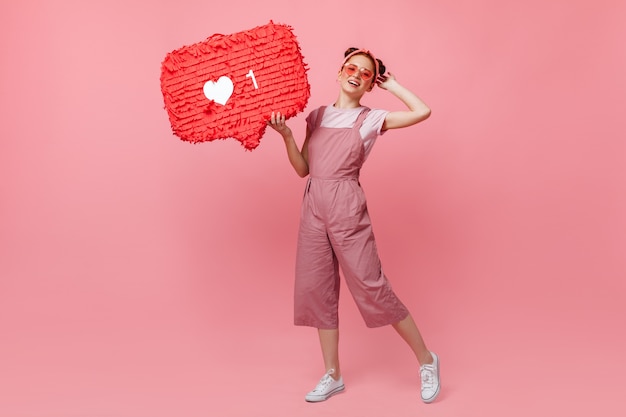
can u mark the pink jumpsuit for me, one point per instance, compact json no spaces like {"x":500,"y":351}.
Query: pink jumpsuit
{"x":336,"y":232}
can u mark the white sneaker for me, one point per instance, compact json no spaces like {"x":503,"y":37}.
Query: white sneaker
{"x":326,"y":388}
{"x":429,"y":375}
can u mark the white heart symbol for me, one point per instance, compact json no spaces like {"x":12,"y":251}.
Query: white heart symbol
{"x":219,"y":91}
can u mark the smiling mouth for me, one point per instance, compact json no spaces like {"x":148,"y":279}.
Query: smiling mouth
{"x":354,"y":83}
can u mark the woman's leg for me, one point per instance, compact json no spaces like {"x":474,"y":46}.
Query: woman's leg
{"x":408,"y":330}
{"x":329,"y":342}
{"x":331,"y":383}
{"x":429,"y":363}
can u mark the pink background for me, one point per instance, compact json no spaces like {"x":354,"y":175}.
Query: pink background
{"x":145,"y":276}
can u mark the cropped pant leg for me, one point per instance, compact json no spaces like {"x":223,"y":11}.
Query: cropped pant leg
{"x":317,"y":283}
{"x":352,"y":238}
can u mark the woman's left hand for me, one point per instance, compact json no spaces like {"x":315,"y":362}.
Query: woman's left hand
{"x":384,"y":80}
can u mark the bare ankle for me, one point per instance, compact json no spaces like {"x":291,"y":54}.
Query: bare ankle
{"x":334,"y":373}
{"x":426,"y":358}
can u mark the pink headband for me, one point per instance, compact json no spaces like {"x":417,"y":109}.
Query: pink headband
{"x":366,"y":52}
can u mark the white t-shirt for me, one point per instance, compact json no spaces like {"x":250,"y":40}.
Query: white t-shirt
{"x":345,"y":118}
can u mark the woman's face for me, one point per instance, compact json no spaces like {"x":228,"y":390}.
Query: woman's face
{"x":357,"y":74}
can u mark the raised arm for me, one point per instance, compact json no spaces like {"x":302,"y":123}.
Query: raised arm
{"x":417,"y":109}
{"x":298,"y":158}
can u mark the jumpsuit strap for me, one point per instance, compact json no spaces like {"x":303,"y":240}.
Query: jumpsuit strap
{"x":361,"y":118}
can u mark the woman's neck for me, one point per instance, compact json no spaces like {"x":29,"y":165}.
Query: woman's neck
{"x":345,"y":102}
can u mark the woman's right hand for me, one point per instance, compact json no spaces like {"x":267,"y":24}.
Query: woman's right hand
{"x":277,"y":122}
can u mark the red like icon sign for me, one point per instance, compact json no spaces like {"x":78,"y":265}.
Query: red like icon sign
{"x":228,"y":85}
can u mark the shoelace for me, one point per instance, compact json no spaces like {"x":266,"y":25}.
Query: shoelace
{"x":427,"y":374}
{"x":325,"y":381}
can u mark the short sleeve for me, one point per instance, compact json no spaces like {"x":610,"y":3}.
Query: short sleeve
{"x":372,"y":128}
{"x":311,"y":119}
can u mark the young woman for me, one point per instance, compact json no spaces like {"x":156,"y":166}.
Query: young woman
{"x":335,"y":229}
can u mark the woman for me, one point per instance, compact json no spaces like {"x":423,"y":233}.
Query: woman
{"x":335,"y":229}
